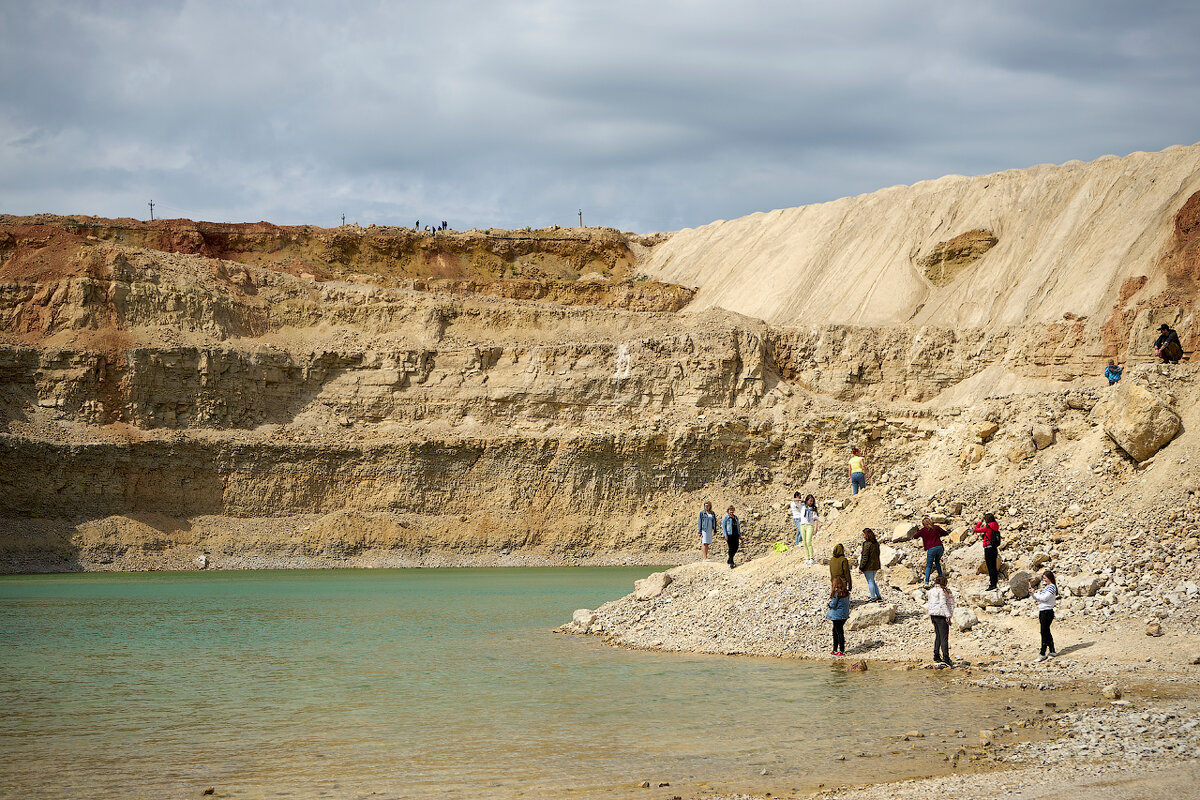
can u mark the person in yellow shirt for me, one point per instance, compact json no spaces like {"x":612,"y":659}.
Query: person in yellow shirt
{"x":858,"y":472}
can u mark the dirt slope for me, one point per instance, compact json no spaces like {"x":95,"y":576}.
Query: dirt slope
{"x":1067,"y":239}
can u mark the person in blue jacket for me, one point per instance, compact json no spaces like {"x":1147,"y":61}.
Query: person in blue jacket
{"x":731,"y":529}
{"x":838,"y":613}
{"x":1112,"y":372}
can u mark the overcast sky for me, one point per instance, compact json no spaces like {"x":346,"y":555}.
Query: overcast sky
{"x":647,"y":115}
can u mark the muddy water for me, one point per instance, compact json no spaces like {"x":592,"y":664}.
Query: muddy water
{"x":420,"y":683}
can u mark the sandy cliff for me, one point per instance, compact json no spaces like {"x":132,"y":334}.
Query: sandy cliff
{"x":1017,"y":247}
{"x":257,"y":396}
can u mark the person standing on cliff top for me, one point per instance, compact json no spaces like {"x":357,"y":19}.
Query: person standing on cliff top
{"x":1167,"y":346}
{"x":858,"y":471}
{"x":708,"y":526}
{"x":731,"y":528}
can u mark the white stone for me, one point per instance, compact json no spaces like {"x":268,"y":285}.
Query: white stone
{"x":652,"y":586}
{"x":871,"y":615}
{"x":584,"y":619}
{"x":964,"y":619}
{"x":1085,"y":586}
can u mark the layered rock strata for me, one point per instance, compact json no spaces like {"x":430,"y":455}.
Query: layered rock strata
{"x":227,"y":408}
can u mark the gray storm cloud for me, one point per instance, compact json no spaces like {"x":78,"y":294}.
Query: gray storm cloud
{"x":648,"y":116}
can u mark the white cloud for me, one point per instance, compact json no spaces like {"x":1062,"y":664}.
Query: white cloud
{"x":649,"y":116}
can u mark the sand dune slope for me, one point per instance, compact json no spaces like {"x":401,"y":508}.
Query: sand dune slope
{"x":1067,"y":238}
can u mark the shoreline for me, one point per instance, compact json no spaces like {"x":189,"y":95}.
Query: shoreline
{"x":1138,"y":685}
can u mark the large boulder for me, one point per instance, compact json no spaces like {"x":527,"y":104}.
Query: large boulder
{"x":964,"y":619}
{"x":652,"y":586}
{"x":963,"y":560}
{"x":902,"y":532}
{"x":1042,"y":434}
{"x":1139,"y":422}
{"x":871,"y":615}
{"x":1018,"y":584}
{"x":888,"y":556}
{"x":984,"y":430}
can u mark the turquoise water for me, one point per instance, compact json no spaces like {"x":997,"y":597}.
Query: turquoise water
{"x":412,"y":683}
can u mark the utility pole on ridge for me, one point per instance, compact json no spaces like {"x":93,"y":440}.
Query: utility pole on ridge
{"x":152,"y":211}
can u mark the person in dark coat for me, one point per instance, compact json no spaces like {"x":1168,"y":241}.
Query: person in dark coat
{"x":839,"y":567}
{"x":868,"y":564}
{"x":1167,"y":346}
{"x":731,"y":529}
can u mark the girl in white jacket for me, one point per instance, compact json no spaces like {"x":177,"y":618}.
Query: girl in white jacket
{"x":1045,"y":599}
{"x":941,"y":609}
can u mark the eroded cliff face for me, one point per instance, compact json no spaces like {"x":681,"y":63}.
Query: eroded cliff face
{"x":162,"y":407}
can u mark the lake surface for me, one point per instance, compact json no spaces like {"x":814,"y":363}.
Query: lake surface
{"x":417,"y":683}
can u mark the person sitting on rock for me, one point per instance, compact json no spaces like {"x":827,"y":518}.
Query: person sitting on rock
{"x":1112,"y":372}
{"x":1167,"y":346}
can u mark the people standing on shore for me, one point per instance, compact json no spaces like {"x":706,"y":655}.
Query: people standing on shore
{"x":838,"y":613}
{"x":808,"y":526}
{"x":839,"y":566}
{"x":1045,"y":598}
{"x":1167,"y":346}
{"x":931,"y":537}
{"x":731,"y":528}
{"x":858,"y":471}
{"x":990,"y":533}
{"x":708,"y":526}
{"x":941,"y":609}
{"x":868,"y":564}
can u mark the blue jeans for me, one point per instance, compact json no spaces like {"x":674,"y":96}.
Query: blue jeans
{"x":798,"y":536}
{"x":858,"y":481}
{"x":933,"y":557}
{"x":872,"y":589}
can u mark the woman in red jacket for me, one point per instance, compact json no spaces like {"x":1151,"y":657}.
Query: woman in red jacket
{"x":990,"y":530}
